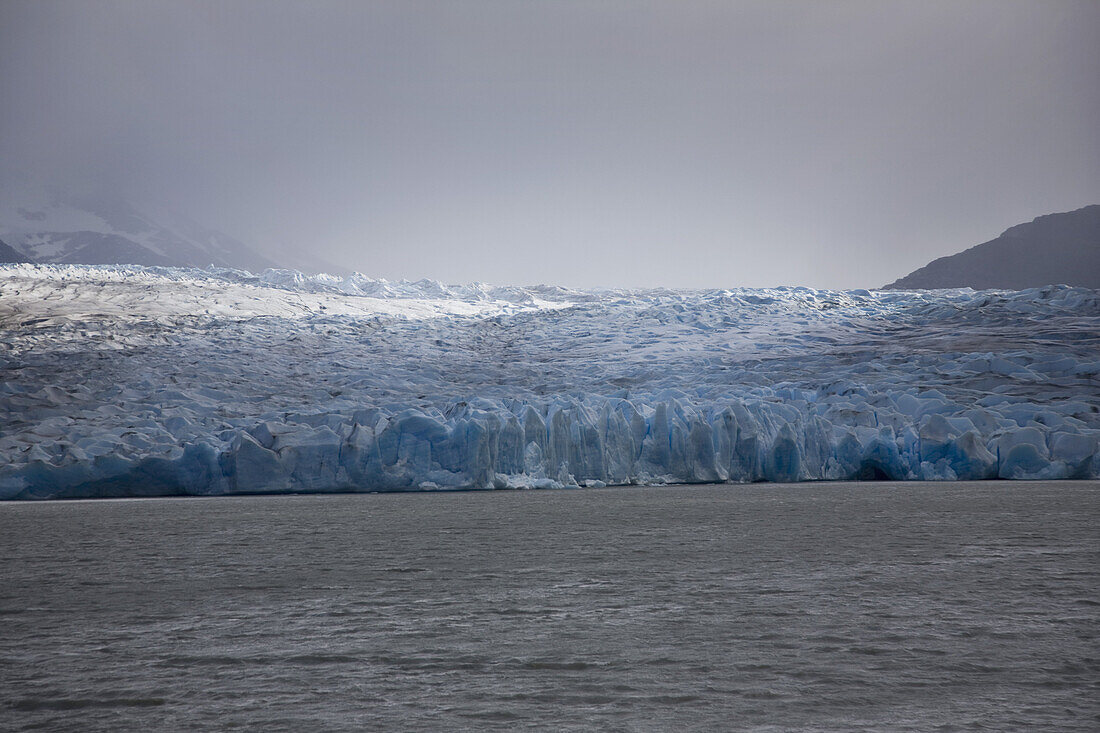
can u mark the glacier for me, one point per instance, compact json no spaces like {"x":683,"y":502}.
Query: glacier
{"x":141,"y":381}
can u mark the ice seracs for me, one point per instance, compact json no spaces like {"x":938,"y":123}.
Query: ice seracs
{"x":121,"y":381}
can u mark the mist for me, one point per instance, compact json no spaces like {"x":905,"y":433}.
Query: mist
{"x":686,"y":144}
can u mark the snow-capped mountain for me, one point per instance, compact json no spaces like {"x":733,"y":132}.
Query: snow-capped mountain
{"x":50,"y":225}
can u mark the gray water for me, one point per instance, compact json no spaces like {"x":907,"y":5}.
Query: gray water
{"x":765,"y":607}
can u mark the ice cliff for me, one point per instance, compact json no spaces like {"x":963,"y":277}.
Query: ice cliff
{"x":124,"y":381}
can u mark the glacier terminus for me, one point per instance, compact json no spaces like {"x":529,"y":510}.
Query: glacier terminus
{"x":139,"y":381}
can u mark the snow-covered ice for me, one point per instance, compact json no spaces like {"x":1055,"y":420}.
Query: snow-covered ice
{"x":122,"y":381}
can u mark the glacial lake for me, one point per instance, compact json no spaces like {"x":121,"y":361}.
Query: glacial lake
{"x":875,"y":606}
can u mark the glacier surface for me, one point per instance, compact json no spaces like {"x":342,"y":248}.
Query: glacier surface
{"x":133,"y":381}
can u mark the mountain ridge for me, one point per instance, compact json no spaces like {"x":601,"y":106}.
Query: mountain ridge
{"x":1052,"y":249}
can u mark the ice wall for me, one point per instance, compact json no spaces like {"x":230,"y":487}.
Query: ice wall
{"x":587,"y":441}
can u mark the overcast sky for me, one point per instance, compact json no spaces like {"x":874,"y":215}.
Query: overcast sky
{"x":831,"y":144}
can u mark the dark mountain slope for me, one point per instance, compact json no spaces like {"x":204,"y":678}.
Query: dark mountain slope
{"x":1050,"y":250}
{"x":7,"y":254}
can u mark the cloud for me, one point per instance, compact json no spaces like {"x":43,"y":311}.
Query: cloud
{"x":679,"y":143}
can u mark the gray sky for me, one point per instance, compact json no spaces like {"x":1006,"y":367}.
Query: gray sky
{"x":831,"y":144}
